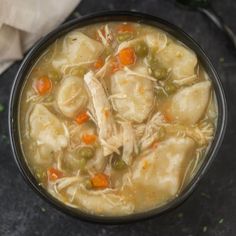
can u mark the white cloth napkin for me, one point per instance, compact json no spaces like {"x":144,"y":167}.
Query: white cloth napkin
{"x":23,"y":22}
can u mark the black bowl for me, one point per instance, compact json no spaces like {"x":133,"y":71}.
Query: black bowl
{"x":32,"y":57}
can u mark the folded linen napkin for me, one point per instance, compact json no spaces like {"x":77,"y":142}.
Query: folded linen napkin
{"x":23,"y":22}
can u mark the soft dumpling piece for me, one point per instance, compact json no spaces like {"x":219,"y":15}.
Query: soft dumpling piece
{"x":78,"y":48}
{"x":105,"y":203}
{"x":154,"y":40}
{"x":46,"y":129}
{"x":188,"y":105}
{"x":179,"y":59}
{"x":132,"y":94}
{"x":72,"y":97}
{"x":162,"y":169}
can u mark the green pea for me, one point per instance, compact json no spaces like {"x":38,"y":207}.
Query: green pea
{"x":118,"y":163}
{"x":170,"y":88}
{"x":82,"y":163}
{"x":88,"y":184}
{"x":108,"y":51}
{"x":86,"y":152}
{"x":124,"y":37}
{"x":54,"y":75}
{"x":159,"y":73}
{"x":152,"y":59}
{"x":160,"y":93}
{"x":141,"y":49}
{"x":79,"y":71}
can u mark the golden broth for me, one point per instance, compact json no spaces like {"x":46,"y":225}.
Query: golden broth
{"x":116,"y":118}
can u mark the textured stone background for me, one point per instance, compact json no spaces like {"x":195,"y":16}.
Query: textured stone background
{"x":211,"y":210}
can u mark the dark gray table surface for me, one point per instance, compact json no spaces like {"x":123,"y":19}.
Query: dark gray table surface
{"x":211,"y":209}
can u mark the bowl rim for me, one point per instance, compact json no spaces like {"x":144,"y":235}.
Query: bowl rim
{"x":107,"y":16}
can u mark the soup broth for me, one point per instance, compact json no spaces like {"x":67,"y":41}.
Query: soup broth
{"x":116,"y":118}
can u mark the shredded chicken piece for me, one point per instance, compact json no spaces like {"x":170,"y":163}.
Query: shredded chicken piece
{"x":102,"y":72}
{"x":105,"y":38}
{"x":107,"y":128}
{"x":145,"y":76}
{"x":65,"y":67}
{"x":151,"y":129}
{"x":129,"y":142}
{"x":186,"y":80}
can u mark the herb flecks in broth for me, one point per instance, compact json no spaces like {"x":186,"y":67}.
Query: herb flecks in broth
{"x":116,"y":118}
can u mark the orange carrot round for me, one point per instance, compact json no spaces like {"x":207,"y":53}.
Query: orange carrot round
{"x":127,"y":56}
{"x":54,"y":174}
{"x":99,"y":63}
{"x":89,"y":138}
{"x":82,"y":118}
{"x":123,"y":28}
{"x":100,"y":180}
{"x":43,"y":85}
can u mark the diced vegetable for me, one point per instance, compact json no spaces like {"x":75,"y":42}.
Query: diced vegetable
{"x":99,"y":63}
{"x":79,"y":71}
{"x":100,"y":180}
{"x":54,"y":75}
{"x":115,"y":65}
{"x":118,"y":163}
{"x":124,"y":37}
{"x":89,"y":138}
{"x":170,"y":88}
{"x":125,"y":28}
{"x":159,"y":73}
{"x":88,"y":184}
{"x":160,"y":93}
{"x":82,"y":163}
{"x":155,"y":144}
{"x":43,"y":85}
{"x":127,"y":56}
{"x":54,"y":174}
{"x":82,"y":118}
{"x":168,"y":118}
{"x":141,"y":49}
{"x":86,"y":152}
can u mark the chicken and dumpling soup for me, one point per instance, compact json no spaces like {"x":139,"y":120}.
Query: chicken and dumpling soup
{"x":116,"y":118}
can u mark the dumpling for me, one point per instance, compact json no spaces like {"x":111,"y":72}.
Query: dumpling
{"x":179,"y":59}
{"x":154,"y":40}
{"x":160,"y":171}
{"x":78,"y":48}
{"x":72,"y":97}
{"x":104,"y":203}
{"x":46,"y":129}
{"x":132,"y":94}
{"x":189,"y":104}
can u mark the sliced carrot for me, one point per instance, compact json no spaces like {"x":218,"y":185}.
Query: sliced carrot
{"x":43,"y":85}
{"x":145,"y":165}
{"x":168,"y":118}
{"x":54,"y":174}
{"x":155,"y":145}
{"x":82,"y":118}
{"x":100,"y":180}
{"x":127,"y":56}
{"x":123,"y":28}
{"x":99,"y":63}
{"x":115,"y":65}
{"x":89,"y":138}
{"x":106,"y":113}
